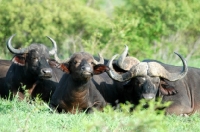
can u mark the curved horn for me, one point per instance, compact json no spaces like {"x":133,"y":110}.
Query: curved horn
{"x":156,"y":69}
{"x":116,"y":76}
{"x":122,"y":57}
{"x":54,"y":50}
{"x":101,"y":61}
{"x":140,"y":69}
{"x":126,"y":62}
{"x":13,"y":50}
{"x":59,"y":60}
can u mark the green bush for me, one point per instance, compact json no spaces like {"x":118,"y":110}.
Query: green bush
{"x":151,"y":29}
{"x":157,"y":28}
{"x":62,"y":20}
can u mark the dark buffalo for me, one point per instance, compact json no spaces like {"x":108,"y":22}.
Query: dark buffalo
{"x":31,"y":70}
{"x":149,"y":79}
{"x":77,"y":90}
{"x":4,"y":66}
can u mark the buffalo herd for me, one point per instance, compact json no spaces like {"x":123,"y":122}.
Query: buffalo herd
{"x":83,"y":82}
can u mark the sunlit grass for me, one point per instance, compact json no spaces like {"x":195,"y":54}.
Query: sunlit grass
{"x":34,"y":116}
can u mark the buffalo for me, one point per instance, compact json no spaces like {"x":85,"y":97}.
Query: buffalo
{"x":150,"y":79}
{"x":4,"y":66}
{"x":33,"y":71}
{"x":84,"y":85}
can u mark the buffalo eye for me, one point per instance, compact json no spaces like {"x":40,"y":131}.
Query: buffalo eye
{"x":156,"y":80}
{"x":139,"y":80}
{"x":76,"y":63}
{"x":91,"y":63}
{"x":35,"y":59}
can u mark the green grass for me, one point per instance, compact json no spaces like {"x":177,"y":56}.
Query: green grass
{"x":29,"y":116}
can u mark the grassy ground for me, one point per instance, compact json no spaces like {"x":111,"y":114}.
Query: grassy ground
{"x":28,"y":116}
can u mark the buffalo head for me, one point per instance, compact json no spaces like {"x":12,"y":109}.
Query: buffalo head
{"x":144,"y":79}
{"x":34,"y":58}
{"x":82,"y":66}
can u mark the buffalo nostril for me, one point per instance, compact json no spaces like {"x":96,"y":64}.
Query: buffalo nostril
{"x":85,"y":68}
{"x":46,"y":71}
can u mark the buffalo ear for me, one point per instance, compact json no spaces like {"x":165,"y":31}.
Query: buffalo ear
{"x":100,"y":68}
{"x":19,"y":59}
{"x":64,"y":67}
{"x":166,"y":89}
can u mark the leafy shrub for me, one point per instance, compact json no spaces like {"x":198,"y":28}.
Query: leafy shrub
{"x":157,"y":28}
{"x":32,"y":20}
{"x":151,"y":29}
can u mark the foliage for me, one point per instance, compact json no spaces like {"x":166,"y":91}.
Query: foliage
{"x":32,"y":20}
{"x":151,"y":29}
{"x":157,"y":28}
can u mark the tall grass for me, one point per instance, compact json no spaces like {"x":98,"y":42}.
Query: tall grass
{"x":29,"y":116}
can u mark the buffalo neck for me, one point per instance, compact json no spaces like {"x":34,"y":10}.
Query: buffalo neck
{"x":26,"y":78}
{"x":80,"y":84}
{"x":75,"y":93}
